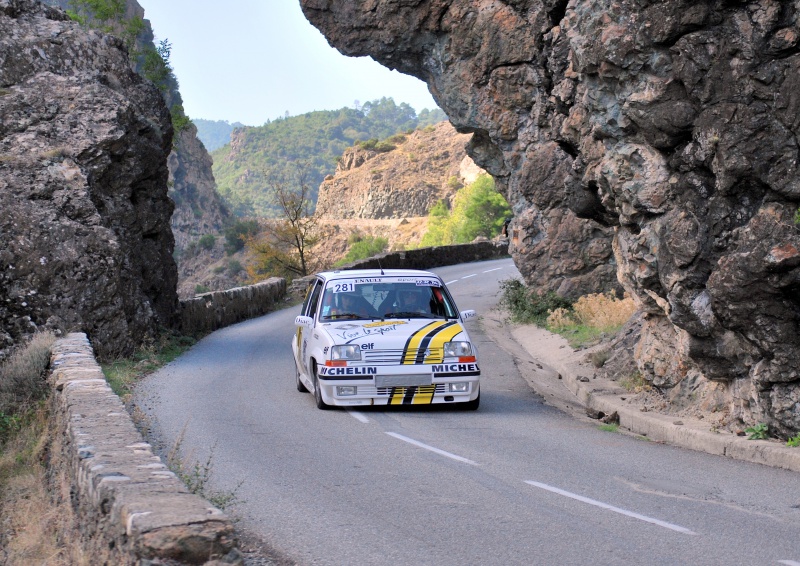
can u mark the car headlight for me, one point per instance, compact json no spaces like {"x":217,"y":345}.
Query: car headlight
{"x":346,"y":352}
{"x":457,"y":349}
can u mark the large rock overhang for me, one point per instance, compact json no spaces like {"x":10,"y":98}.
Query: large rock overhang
{"x":653,"y":143}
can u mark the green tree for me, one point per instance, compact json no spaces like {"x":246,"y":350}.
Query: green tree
{"x":478,"y":210}
{"x":238,"y":233}
{"x":362,"y":247}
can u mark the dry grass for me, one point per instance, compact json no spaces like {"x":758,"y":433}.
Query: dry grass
{"x":603,"y":310}
{"x":23,"y":381}
{"x":635,"y":383}
{"x":590,"y":317}
{"x":36,"y":526}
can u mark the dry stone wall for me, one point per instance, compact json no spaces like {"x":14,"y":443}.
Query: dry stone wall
{"x":130,"y":507}
{"x":210,"y":311}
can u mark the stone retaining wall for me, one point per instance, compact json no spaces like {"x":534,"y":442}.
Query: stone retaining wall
{"x":422,"y":258}
{"x":131,"y":509}
{"x":210,"y":311}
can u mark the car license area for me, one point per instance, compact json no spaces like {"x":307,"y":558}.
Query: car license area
{"x":402,"y":380}
{"x":384,"y":337}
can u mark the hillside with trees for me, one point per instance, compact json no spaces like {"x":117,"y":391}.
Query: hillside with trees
{"x":316,"y":139}
{"x":215,"y":133}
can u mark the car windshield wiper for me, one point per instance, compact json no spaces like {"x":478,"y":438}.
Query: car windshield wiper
{"x":346,"y":315}
{"x":410,"y":314}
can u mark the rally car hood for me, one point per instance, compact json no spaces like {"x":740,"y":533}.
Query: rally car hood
{"x":392,"y":334}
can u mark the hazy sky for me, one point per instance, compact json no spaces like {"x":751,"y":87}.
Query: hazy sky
{"x":254,"y":60}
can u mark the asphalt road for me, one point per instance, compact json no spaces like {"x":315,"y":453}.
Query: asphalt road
{"x":516,"y":482}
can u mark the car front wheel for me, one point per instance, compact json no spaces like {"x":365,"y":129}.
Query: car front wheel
{"x":300,"y":387}
{"x":321,"y":404}
{"x":474,"y":404}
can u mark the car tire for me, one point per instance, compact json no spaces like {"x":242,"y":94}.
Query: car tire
{"x":321,"y":404}
{"x":474,"y":404}
{"x":300,"y":387}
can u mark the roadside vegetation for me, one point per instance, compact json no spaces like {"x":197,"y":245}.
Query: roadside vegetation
{"x":477,"y":210}
{"x":34,"y":527}
{"x":362,"y":247}
{"x":122,"y":374}
{"x":582,"y":322}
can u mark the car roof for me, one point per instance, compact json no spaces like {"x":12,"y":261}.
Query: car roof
{"x":353,"y":273}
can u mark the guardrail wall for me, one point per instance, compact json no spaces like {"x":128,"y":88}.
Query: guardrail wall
{"x":131,"y":508}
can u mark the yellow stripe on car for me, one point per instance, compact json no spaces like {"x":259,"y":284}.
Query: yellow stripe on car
{"x":436,"y":345}
{"x":415,"y":395}
{"x":424,"y":395}
{"x":412,"y":345}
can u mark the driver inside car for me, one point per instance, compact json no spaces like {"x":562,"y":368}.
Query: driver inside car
{"x":411,"y":300}
{"x":352,"y":304}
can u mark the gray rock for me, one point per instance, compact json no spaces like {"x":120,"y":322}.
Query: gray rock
{"x":664,"y":132}
{"x":84,"y":213}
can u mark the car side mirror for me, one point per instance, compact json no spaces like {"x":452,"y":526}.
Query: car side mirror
{"x":306,"y":321}
{"x":468,"y":314}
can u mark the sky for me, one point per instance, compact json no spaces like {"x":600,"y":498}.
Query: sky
{"x":250,"y":61}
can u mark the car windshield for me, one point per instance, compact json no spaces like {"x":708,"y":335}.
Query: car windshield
{"x":385,"y":298}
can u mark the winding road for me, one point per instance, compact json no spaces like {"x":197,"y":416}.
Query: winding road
{"x":516,"y":482}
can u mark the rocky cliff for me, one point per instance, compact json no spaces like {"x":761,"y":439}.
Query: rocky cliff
{"x":388,"y":194}
{"x":199,"y":209}
{"x":84,"y":212}
{"x":666,"y":131}
{"x":424,"y":167}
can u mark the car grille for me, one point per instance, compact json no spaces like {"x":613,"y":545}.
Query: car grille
{"x":387,"y":391}
{"x":394,"y":357}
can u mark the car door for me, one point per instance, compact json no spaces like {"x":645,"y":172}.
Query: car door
{"x":304,"y":334}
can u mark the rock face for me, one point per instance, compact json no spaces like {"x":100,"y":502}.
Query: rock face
{"x":423,"y":168}
{"x":199,"y":209}
{"x":664,"y":130}
{"x":84,"y":212}
{"x":389,"y":194}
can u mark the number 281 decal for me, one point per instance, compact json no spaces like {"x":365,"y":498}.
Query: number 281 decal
{"x":344,"y":288}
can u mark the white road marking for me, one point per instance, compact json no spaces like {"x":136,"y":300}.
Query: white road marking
{"x":789,"y":562}
{"x":495,"y":269}
{"x":358,"y":416}
{"x":468,"y":276}
{"x":431,"y":448}
{"x":608,"y":507}
{"x":450,"y":282}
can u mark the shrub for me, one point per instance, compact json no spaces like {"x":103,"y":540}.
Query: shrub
{"x":234,"y":267}
{"x":237,"y":233}
{"x":200,"y":289}
{"x":362,"y":248}
{"x":207,"y":242}
{"x":529,"y":306}
{"x":22,"y":381}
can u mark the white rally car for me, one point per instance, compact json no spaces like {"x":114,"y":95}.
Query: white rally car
{"x":384,"y":337}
